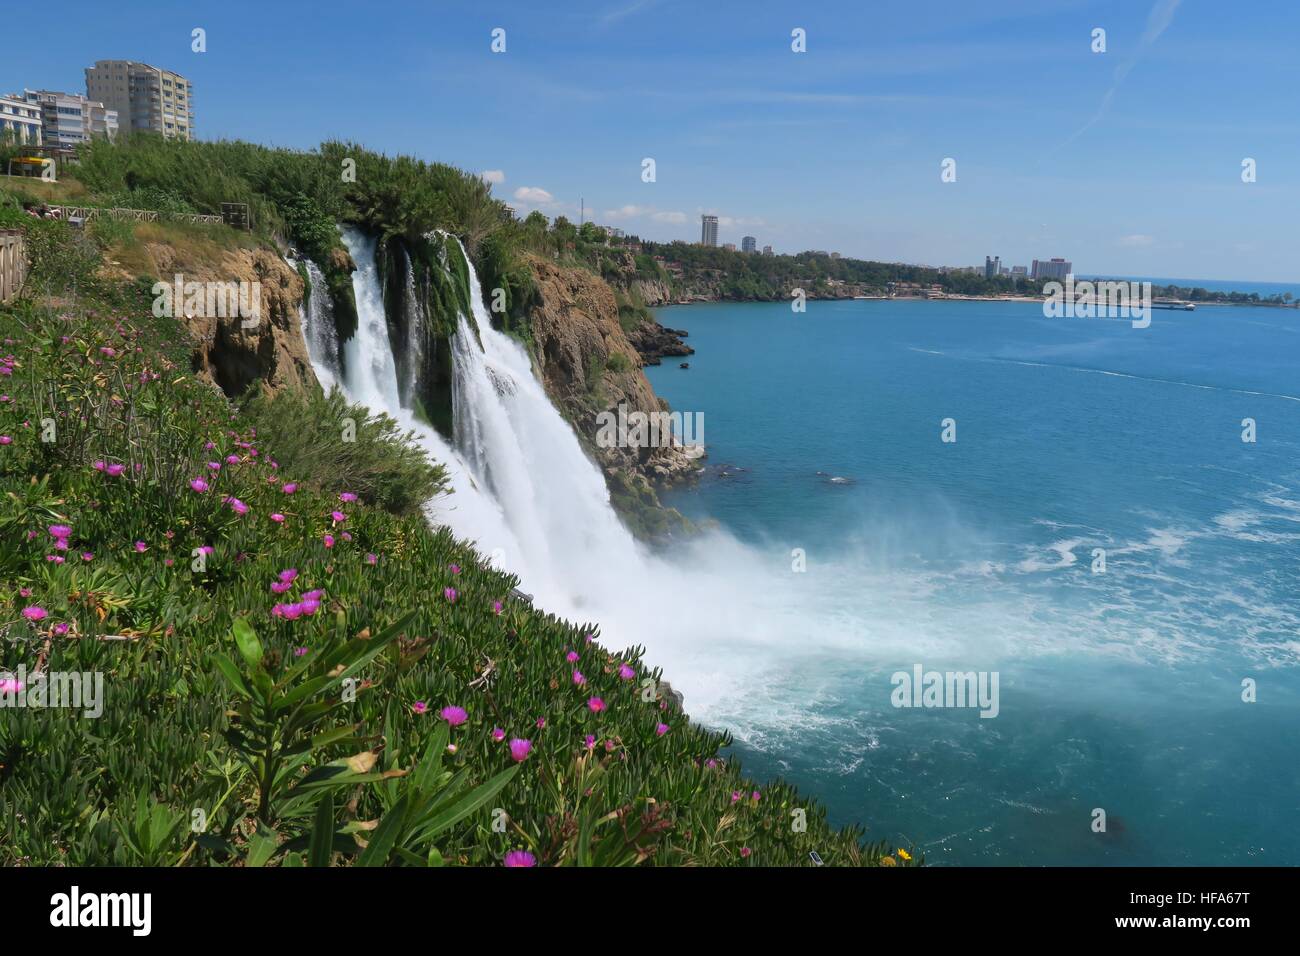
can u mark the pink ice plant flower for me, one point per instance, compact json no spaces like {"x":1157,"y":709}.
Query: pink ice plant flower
{"x":498,"y":734}
{"x":289,"y":488}
{"x":453,"y":715}
{"x":596,"y":705}
{"x":35,"y":613}
{"x":328,"y":540}
{"x":277,"y":517}
{"x":199,"y":485}
{"x":347,"y":497}
{"x":140,"y":547}
{"x":519,"y":858}
{"x":419,"y":707}
{"x":449,"y":594}
{"x":626,"y":672}
{"x":520,"y":749}
{"x":661,"y":729}
{"x":114,"y":471}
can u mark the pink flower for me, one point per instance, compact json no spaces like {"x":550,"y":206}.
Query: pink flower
{"x":232,"y":459}
{"x":596,"y":705}
{"x":419,"y":707}
{"x":520,"y":858}
{"x":98,"y":466}
{"x":199,"y":485}
{"x":520,"y":749}
{"x":10,"y":685}
{"x":626,"y":672}
{"x":114,"y":470}
{"x":288,"y":575}
{"x":6,"y":440}
{"x":449,"y":594}
{"x":757,"y":796}
{"x":661,"y":729}
{"x":496,"y":607}
{"x":454,"y":568}
{"x":290,"y":488}
{"x":34,"y":613}
{"x":498,"y":734}
{"x":87,"y":556}
{"x":237,"y":506}
{"x":371,"y":558}
{"x":214,"y":466}
{"x":56,"y":558}
{"x":590,"y":741}
{"x":328,"y":540}
{"x":299,"y":651}
{"x":24,"y":592}
{"x":571,"y":656}
{"x":60,"y":531}
{"x":279,"y":587}
{"x":338,"y":516}
{"x":277,"y":517}
{"x":141,"y":547}
{"x":347,"y":497}
{"x":735,"y":795}
{"x":455,"y":716}
{"x":745,"y":851}
{"x":578,"y":678}
{"x":541,"y":723}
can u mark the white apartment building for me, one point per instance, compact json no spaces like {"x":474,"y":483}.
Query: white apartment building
{"x":20,"y":122}
{"x":70,"y":118}
{"x":144,"y":96}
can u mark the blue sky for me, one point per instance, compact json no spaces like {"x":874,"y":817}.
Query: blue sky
{"x":1127,"y":162}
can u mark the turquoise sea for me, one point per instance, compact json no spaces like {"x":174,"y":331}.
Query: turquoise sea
{"x":1120,"y":690}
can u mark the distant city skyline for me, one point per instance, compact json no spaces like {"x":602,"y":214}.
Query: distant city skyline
{"x":1132,"y":164}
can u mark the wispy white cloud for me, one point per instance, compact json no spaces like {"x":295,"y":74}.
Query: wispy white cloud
{"x":1136,"y":241}
{"x":618,"y":13}
{"x":1158,"y":21}
{"x":534,"y":194}
{"x":494,"y":176}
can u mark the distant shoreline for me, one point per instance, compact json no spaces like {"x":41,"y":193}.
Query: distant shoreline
{"x":958,"y":298}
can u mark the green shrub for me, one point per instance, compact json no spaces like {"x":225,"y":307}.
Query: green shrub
{"x":346,"y":448}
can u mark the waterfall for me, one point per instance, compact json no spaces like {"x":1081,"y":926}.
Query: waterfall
{"x":414,"y":332}
{"x":317,"y":321}
{"x":527,"y":495}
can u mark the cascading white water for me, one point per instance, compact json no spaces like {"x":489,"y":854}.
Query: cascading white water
{"x":318,"y":325}
{"x":530,"y":498}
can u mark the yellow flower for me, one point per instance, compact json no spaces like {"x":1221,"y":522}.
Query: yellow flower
{"x":904,"y":854}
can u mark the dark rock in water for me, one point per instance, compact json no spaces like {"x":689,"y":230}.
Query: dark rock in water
{"x":685,"y":365}
{"x":653,"y":342}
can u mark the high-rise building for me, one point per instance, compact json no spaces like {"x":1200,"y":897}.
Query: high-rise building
{"x":144,"y":96}
{"x":767,"y":250}
{"x":708,"y":230}
{"x":20,"y":121}
{"x":992,"y":265}
{"x":70,"y":118}
{"x":748,"y":244}
{"x":1051,"y":269}
{"x":729,"y":246}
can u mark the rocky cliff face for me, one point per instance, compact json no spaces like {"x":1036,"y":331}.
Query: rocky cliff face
{"x":588,"y":367}
{"x":232,"y":351}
